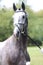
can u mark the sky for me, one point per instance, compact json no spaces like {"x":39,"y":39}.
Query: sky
{"x":36,"y":5}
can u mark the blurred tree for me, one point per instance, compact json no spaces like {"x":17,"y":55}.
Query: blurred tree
{"x":25,"y":1}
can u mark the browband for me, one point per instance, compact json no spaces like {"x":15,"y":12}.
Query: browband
{"x":20,"y":11}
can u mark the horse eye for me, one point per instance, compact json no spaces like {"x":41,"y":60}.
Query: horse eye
{"x":23,"y":17}
{"x":19,"y":8}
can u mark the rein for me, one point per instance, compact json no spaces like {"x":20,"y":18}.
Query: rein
{"x":33,"y":41}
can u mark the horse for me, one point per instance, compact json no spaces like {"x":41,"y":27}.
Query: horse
{"x":13,"y":51}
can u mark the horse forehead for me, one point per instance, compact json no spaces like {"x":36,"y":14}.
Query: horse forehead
{"x":19,"y":14}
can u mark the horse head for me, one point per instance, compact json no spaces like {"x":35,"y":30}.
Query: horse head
{"x":19,"y":20}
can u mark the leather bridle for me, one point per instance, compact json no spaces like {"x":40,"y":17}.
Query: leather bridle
{"x":20,"y":23}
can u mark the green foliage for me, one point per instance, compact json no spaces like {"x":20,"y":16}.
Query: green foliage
{"x":6,"y":27}
{"x":40,"y":13}
{"x":35,"y":23}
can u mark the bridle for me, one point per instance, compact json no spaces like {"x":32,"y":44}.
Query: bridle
{"x":20,"y":23}
{"x":20,"y":11}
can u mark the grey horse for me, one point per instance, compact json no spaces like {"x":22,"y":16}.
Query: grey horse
{"x":13,"y":51}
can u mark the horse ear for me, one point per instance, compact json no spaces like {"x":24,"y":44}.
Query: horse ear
{"x":14,"y":7}
{"x":23,"y":6}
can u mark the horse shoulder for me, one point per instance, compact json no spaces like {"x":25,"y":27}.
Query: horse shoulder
{"x":2,"y":44}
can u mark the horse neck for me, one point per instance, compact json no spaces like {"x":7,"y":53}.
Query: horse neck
{"x":24,"y":41}
{"x":24,"y":37}
{"x":17,"y":41}
{"x":21,"y":42}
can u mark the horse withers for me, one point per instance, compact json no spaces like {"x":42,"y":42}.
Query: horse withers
{"x":13,"y":51}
